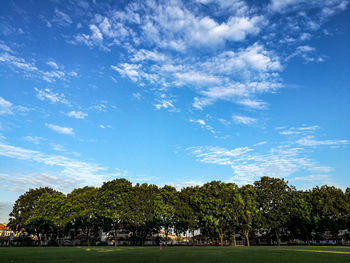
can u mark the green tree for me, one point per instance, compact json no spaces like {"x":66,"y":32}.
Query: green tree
{"x":186,"y":218}
{"x":214,"y":201}
{"x":23,"y":209}
{"x":300,"y":219}
{"x":113,"y":198}
{"x":166,"y":200}
{"x":330,"y":209}
{"x":142,"y":216}
{"x":49,"y":215}
{"x":83,"y":211}
{"x":273,"y":198}
{"x":247,"y":209}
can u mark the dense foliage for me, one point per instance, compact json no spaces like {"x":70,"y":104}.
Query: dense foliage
{"x":268,"y":211}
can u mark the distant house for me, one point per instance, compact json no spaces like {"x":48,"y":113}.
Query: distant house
{"x":6,"y":234}
{"x":5,"y":231}
{"x":170,"y":236}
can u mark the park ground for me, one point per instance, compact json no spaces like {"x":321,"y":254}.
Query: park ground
{"x":175,"y":254}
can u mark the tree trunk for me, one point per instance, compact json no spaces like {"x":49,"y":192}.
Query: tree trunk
{"x":115,"y":237}
{"x":39,"y":238}
{"x":166,"y":238}
{"x":234,"y":239}
{"x":73,"y":237}
{"x":277,"y":237}
{"x":88,"y":236}
{"x":192,"y":237}
{"x":246,"y":234}
{"x":221,"y":236}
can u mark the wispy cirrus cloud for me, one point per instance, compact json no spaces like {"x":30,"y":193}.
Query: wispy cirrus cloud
{"x":7,"y":107}
{"x":328,"y":7}
{"x":61,"y":18}
{"x":77,"y":114}
{"x":5,"y":210}
{"x":60,"y":129}
{"x":34,"y":139}
{"x":311,"y":141}
{"x":48,"y":94}
{"x":284,"y":160}
{"x":30,"y":68}
{"x":243,"y":119}
{"x":298,"y":130}
{"x":52,"y":64}
{"x":203,"y":124}
{"x":66,"y":173}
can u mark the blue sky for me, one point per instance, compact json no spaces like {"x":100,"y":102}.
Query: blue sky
{"x":173,"y":92}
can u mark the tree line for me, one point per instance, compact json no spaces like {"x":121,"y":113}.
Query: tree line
{"x":268,"y":209}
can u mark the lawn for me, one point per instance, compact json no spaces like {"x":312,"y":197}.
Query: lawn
{"x":175,"y":254}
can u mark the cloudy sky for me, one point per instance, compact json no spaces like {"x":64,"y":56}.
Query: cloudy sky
{"x":173,"y":92}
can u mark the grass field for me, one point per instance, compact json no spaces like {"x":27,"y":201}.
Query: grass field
{"x":175,"y":254}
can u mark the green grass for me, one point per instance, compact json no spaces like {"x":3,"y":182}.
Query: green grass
{"x":175,"y":254}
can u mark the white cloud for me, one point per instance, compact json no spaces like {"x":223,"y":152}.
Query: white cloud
{"x":204,"y":125}
{"x":129,"y":70}
{"x":310,"y":141}
{"x":67,"y":173}
{"x":58,"y":147}
{"x":101,"y":107}
{"x":29,"y":69}
{"x":298,"y":130}
{"x":48,"y":95}
{"x":249,"y":165}
{"x":77,"y":114}
{"x":233,"y":75}
{"x":279,"y":5}
{"x":180,"y":185}
{"x":60,"y":129}
{"x":105,"y":126}
{"x":196,"y":78}
{"x":321,"y":169}
{"x":5,"y":47}
{"x":143,"y":54}
{"x":137,"y":95}
{"x":165,"y":103}
{"x":243,"y":119}
{"x":34,"y":139}
{"x":188,"y":46}
{"x":180,"y":26}
{"x":254,"y":104}
{"x":18,"y":63}
{"x":327,"y":7}
{"x":5,"y":210}
{"x":254,"y":57}
{"x":286,"y":159}
{"x":94,"y":39}
{"x":307,"y":53}
{"x":52,"y":64}
{"x":22,"y":183}
{"x":5,"y":107}
{"x":312,"y":180}
{"x":62,"y":18}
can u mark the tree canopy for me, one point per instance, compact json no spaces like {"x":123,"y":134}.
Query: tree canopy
{"x":270,"y":209}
